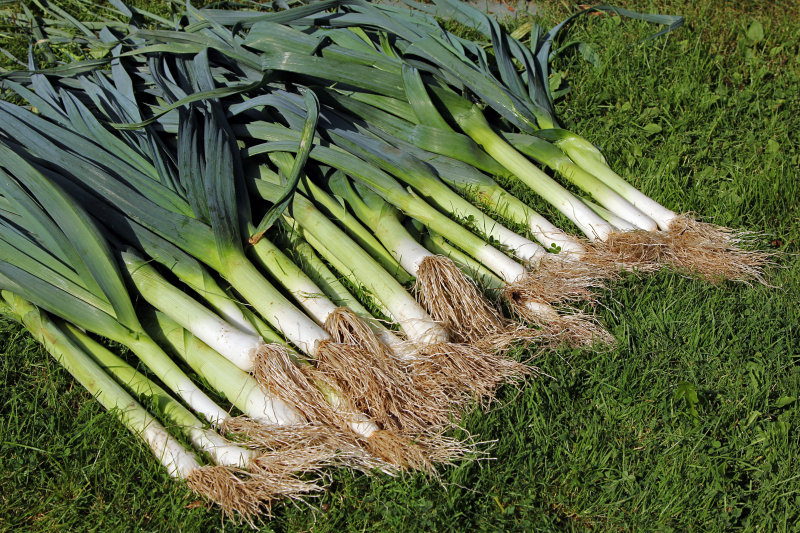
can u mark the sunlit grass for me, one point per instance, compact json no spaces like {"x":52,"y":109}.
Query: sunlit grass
{"x":689,"y":424}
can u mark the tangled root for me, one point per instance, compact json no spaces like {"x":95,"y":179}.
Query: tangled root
{"x":562,"y":280}
{"x":513,"y":334}
{"x":294,"y":461}
{"x":252,"y":433}
{"x":244,"y":495}
{"x":398,"y":450}
{"x":345,"y":327}
{"x":336,"y":446}
{"x":574,"y":328}
{"x":714,"y":253}
{"x":220,"y":485}
{"x":298,"y":472}
{"x":418,"y":452}
{"x":454,"y":301}
{"x":310,"y":447}
{"x":377,"y":386}
{"x":710,"y":252}
{"x":579,"y":330}
{"x":467,"y":372}
{"x":275,"y":370}
{"x":634,"y":251}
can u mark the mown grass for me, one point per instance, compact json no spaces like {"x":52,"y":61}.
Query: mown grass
{"x":691,"y":423}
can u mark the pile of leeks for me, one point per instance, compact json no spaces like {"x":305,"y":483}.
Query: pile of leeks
{"x":296,"y":223}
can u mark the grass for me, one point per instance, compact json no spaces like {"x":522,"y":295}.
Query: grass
{"x":690,"y":424}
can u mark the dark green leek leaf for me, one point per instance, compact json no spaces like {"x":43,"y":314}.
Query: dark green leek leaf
{"x":36,"y":260}
{"x":55,"y":145}
{"x":191,"y":166}
{"x":303,"y":150}
{"x":90,"y":245}
{"x":219,"y":92}
{"x":59,"y":302}
{"x":417,"y":95}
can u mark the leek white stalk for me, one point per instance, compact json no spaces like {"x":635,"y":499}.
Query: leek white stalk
{"x":354,"y":262}
{"x":491,"y":195}
{"x":414,"y":206}
{"x":311,"y":297}
{"x":322,"y":276}
{"x":544,"y":231}
{"x":590,"y":159}
{"x":288,"y":274}
{"x":339,"y":264}
{"x":475,"y":125}
{"x":232,"y":343}
{"x":229,"y":310}
{"x":385,"y":221}
{"x":432,"y":188}
{"x":319,"y":272}
{"x":190,"y":271}
{"x":418,"y":326}
{"x":239,"y":387}
{"x":497,"y":261}
{"x":168,"y":372}
{"x":609,"y":216}
{"x":223,"y":452}
{"x":519,"y":246}
{"x":296,"y":326}
{"x":178,"y":461}
{"x":437,"y":244}
{"x":539,"y":147}
{"x":610,"y":200}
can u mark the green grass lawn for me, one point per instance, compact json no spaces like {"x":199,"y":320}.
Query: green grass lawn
{"x":691,"y":423}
